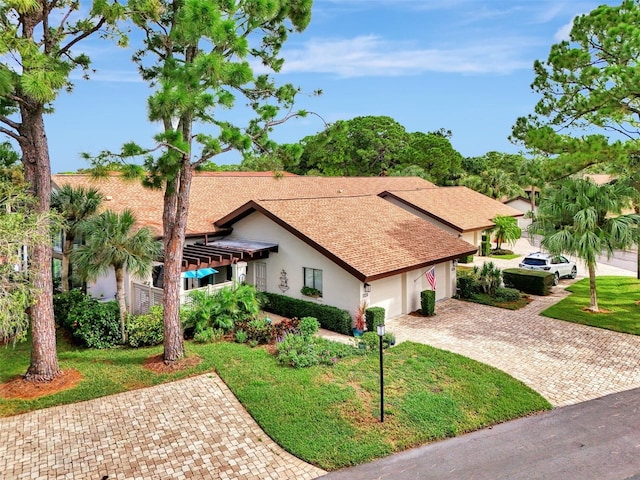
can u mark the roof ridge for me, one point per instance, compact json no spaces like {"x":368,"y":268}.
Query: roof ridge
{"x":317,"y":197}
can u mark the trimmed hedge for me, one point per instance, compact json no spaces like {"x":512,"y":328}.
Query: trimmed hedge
{"x":528,"y":281}
{"x":467,"y":259}
{"x":375,"y":316}
{"x":428,"y":302}
{"x":485,"y":246}
{"x":331,"y":318}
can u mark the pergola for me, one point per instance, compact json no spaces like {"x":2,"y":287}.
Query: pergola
{"x":221,"y":253}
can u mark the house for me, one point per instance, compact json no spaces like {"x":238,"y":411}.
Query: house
{"x":458,"y":210}
{"x":338,"y":235}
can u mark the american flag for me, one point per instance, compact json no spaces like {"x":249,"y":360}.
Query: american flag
{"x":431,"y":278}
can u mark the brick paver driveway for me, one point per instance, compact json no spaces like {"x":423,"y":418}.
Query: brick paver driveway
{"x":565,"y":362}
{"x":192,"y":428}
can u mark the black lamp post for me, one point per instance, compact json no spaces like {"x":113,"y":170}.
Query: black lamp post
{"x":380,"y":335}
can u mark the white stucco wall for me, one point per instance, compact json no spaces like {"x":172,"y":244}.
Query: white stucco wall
{"x":105,"y":287}
{"x":339,"y":288}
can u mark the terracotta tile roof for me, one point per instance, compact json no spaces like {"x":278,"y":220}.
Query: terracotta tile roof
{"x":214,"y":196}
{"x":367,"y":235}
{"x":459,"y":207}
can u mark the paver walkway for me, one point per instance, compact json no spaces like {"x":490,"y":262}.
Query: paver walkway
{"x":192,"y":428}
{"x":565,"y":362}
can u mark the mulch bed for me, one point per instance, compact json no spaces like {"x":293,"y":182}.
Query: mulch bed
{"x":156,"y":364}
{"x":19,"y":388}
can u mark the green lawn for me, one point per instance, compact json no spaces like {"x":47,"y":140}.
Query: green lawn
{"x":506,"y":257}
{"x":619,"y":296}
{"x":328,"y":416}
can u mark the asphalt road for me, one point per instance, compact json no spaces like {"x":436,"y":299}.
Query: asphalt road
{"x":594,"y":440}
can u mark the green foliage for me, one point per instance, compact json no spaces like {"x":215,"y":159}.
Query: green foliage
{"x":489,"y":277}
{"x":310,"y":292}
{"x":221,"y":309}
{"x":241,"y":336}
{"x":428,"y":302}
{"x":485,"y":246}
{"x":507,"y":294}
{"x":63,"y":303}
{"x":494,"y":183}
{"x":300,"y":351}
{"x":528,"y":281}
{"x":505,"y":230}
{"x":588,"y":84}
{"x":20,"y":227}
{"x":258,"y":330}
{"x":375,"y":316}
{"x":95,"y":324}
{"x":467,"y":284}
{"x":147,"y":329}
{"x":373,"y":145}
{"x":371,"y":340}
{"x":308,"y":326}
{"x":208,"y":335}
{"x":331,"y":318}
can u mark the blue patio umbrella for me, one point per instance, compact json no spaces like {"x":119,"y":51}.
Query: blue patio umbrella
{"x":203,"y":272}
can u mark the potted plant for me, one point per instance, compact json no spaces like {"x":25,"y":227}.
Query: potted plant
{"x":360,"y":320}
{"x":311,"y":292}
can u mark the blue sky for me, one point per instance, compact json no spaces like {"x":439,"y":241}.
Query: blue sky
{"x":462,"y":65}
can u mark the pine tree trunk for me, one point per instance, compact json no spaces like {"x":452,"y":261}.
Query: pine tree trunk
{"x":592,"y":289}
{"x":35,"y":157}
{"x":121,"y":303}
{"x":176,"y":211}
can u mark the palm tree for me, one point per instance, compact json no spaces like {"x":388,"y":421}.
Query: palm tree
{"x":506,"y":230}
{"x":112,"y":241}
{"x":581,"y":218}
{"x":494,"y":183}
{"x":74,"y":205}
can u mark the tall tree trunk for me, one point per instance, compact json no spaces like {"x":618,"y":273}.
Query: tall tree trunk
{"x":592,"y":288}
{"x":66,"y":251}
{"x":121,"y":303}
{"x":175,"y":214}
{"x":35,"y":157}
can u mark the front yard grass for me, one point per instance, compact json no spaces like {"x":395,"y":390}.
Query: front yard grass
{"x":327,"y":416}
{"x":509,"y":256}
{"x":617,"y":296}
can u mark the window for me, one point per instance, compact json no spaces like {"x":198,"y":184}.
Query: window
{"x":313,"y":279}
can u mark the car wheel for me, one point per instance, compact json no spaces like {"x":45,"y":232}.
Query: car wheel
{"x":574,"y":272}
{"x":556,"y":279}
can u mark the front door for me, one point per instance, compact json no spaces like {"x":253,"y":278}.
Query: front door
{"x":260,"y":276}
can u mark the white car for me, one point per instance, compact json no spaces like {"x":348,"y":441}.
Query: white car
{"x":559,"y":265}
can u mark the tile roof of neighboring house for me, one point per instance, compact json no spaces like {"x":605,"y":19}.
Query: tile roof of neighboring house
{"x":214,"y":196}
{"x":461,"y":208}
{"x":380,"y":239}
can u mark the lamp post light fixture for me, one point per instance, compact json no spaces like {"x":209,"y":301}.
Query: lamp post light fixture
{"x":380,"y":335}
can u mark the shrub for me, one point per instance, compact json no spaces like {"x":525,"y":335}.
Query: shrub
{"x":489,"y":277}
{"x":529,"y":281}
{"x":63,"y":303}
{"x":501,"y":251}
{"x":310,"y":292}
{"x":467,"y":259}
{"x":221,"y":309}
{"x":485,"y":245}
{"x":467,"y":285}
{"x":95,"y":324}
{"x":300,"y":352}
{"x":308,"y":326}
{"x":286,"y":326}
{"x":208,"y":335}
{"x":507,"y":294}
{"x":331,"y":318}
{"x":258,"y":330}
{"x":146,"y":330}
{"x":372,"y":340}
{"x":241,"y":336}
{"x":375,"y":317}
{"x":428,"y":302}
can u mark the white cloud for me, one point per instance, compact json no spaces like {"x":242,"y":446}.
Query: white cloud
{"x":116,"y":76}
{"x":372,"y":56}
{"x":563,"y":32}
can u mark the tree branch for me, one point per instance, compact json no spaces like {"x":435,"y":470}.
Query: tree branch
{"x":84,"y":35}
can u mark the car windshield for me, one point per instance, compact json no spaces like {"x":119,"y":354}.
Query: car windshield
{"x":535,"y":262}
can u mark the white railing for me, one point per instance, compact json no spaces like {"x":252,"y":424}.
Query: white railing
{"x":145,"y":296}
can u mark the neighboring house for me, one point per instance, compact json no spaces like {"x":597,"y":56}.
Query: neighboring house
{"x":522,"y":204}
{"x":459,"y":210}
{"x":281,"y":233}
